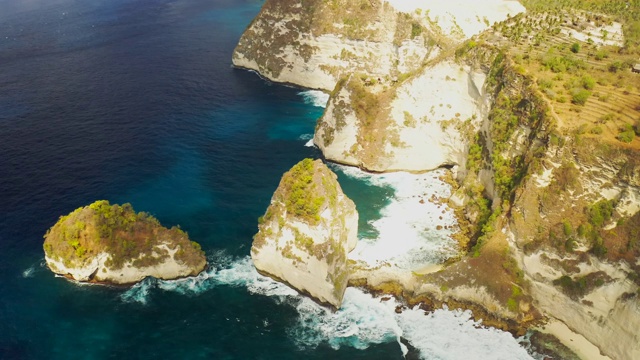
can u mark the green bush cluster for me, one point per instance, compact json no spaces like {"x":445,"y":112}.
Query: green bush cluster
{"x":582,"y":285}
{"x":580,"y":96}
{"x":627,"y":133}
{"x":562,"y":63}
{"x":600,"y":212}
{"x":301,"y":199}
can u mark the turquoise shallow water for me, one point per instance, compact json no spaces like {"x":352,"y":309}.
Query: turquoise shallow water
{"x":136,"y":101}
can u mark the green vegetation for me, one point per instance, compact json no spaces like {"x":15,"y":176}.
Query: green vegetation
{"x":600,"y":212}
{"x":474,"y":159}
{"x":581,"y":286}
{"x":119,"y":231}
{"x":580,"y":96}
{"x":416,"y":30}
{"x":302,"y":200}
{"x":575,"y":48}
{"x":562,"y":63}
{"x":624,"y":11}
{"x":627,"y":133}
{"x":511,"y":110}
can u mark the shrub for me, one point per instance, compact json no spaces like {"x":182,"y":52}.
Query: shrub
{"x":561,"y":64}
{"x":580,"y":96}
{"x":588,"y":82}
{"x":416,"y":30}
{"x":301,"y":200}
{"x":567,"y":228}
{"x":627,"y":134}
{"x":601,"y":54}
{"x":616,"y":66}
{"x":600,"y":212}
{"x":597,"y":130}
{"x":545,"y":83}
{"x":575,"y":48}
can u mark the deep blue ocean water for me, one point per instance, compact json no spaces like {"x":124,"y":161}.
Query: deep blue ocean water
{"x":136,"y":101}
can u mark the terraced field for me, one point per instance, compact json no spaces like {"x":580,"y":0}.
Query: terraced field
{"x":583,"y":68}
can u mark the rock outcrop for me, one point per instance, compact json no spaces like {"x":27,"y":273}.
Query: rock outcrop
{"x":314,"y":43}
{"x":113,"y":244}
{"x":419,"y":124}
{"x":307,"y":232}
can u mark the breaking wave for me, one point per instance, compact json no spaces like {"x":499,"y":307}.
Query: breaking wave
{"x":315,"y":97}
{"x":415,"y":228}
{"x":361,"y":321}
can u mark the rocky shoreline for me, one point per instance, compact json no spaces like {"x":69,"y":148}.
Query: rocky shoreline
{"x":479,"y":110}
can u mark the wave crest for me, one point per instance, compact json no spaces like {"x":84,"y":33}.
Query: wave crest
{"x":315,"y":97}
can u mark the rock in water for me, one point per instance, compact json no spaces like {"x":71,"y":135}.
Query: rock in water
{"x":112,"y":244}
{"x":307,"y":232}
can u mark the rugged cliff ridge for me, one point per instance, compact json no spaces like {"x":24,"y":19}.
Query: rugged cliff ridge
{"x":307,"y":232}
{"x":107,"y":243}
{"x":542,"y":135}
{"x":314,"y":43}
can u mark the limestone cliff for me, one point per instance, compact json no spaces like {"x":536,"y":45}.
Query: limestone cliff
{"x":314,"y":43}
{"x":419,"y":124}
{"x":112,"y":244}
{"x":537,"y":116}
{"x":576,"y":225}
{"x":307,"y":232}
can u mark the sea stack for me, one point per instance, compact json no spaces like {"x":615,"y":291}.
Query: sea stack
{"x":307,"y":232}
{"x":113,"y":244}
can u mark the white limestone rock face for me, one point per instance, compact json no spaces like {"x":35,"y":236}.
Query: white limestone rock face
{"x":421,"y":124}
{"x":112,"y":244}
{"x":99,"y":270}
{"x":307,"y":232}
{"x":314,"y":43}
{"x":605,"y":316}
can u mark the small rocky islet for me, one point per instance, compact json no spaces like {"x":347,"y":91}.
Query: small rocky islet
{"x":112,"y":244}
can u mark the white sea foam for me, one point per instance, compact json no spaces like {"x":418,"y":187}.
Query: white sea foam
{"x":139,"y":292}
{"x":408,"y":229}
{"x":453,"y":335}
{"x":315,"y":97}
{"x":361,"y":321}
{"x":364,"y":320}
{"x":29,"y":272}
{"x":223,"y":270}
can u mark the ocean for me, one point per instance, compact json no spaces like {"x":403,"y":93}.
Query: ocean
{"x":136,"y":101}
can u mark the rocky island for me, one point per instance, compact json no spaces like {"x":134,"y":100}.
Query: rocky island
{"x":112,"y":244}
{"x":307,"y":232}
{"x":532,"y":109}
